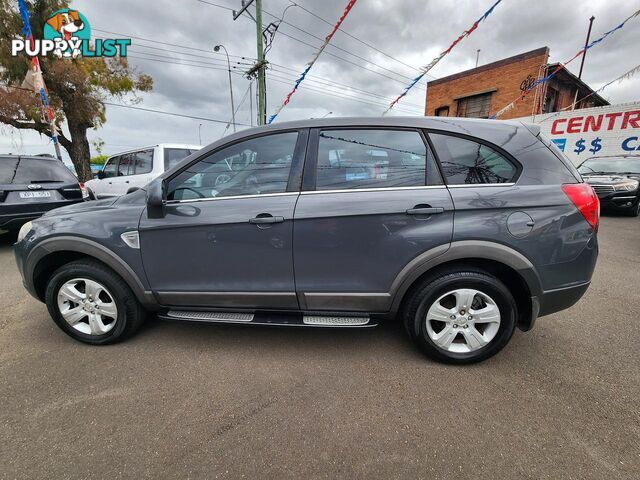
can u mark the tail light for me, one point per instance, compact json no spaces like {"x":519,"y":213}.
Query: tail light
{"x":85,"y":192}
{"x":585,"y":200}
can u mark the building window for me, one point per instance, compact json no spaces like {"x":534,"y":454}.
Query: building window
{"x":442,"y":111}
{"x":551,"y":101}
{"x":476,"y":106}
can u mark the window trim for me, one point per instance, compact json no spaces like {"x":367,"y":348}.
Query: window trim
{"x":500,"y":150}
{"x":299,"y":149}
{"x":310,"y":168}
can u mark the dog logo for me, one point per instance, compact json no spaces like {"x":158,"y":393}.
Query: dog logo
{"x":70,"y":26}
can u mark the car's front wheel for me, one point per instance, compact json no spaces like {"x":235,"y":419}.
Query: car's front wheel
{"x":461,"y":317}
{"x":92,"y":304}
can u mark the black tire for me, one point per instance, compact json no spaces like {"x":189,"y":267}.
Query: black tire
{"x":130,"y":315}
{"x":431,"y":289}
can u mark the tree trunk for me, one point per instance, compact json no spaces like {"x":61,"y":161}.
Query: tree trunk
{"x":79,"y":151}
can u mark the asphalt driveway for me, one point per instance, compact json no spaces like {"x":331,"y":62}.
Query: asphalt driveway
{"x":196,"y":401}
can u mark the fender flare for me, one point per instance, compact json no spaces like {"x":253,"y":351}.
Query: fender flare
{"x":69,"y":243}
{"x":471,"y":249}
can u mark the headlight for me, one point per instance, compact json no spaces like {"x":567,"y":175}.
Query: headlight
{"x":26,"y":228}
{"x":626,"y":186}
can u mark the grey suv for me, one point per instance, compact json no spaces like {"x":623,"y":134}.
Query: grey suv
{"x":462,"y":229}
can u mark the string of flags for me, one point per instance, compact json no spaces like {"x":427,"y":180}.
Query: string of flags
{"x":313,"y":60}
{"x":621,"y":78}
{"x":35,"y":74}
{"x":562,"y":65}
{"x":434,"y":62}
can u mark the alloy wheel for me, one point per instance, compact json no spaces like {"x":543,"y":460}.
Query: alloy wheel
{"x":463,"y":320}
{"x":87,"y":306}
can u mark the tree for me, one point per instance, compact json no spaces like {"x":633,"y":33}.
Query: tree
{"x":77,"y":88}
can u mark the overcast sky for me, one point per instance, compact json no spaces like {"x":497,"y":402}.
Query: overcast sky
{"x":412,"y":32}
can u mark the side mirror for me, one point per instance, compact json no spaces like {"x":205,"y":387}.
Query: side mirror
{"x":100,"y":175}
{"x":156,"y":198}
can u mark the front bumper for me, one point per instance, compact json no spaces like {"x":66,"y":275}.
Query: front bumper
{"x":619,"y":200}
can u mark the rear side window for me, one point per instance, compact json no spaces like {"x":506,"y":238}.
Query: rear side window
{"x":467,"y":162}
{"x":142,"y":162}
{"x":110,"y":167}
{"x":173,"y":156}
{"x":355,"y":159}
{"x":125,"y":167}
{"x":34,"y":170}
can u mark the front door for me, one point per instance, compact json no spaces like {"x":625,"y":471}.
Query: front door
{"x":373,"y":200}
{"x":226,"y":239}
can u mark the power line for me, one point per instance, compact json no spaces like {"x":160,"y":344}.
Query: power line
{"x":406,"y":77}
{"x":313,"y":88}
{"x":355,"y":38}
{"x":316,"y":47}
{"x":173,"y":114}
{"x":126,"y":35}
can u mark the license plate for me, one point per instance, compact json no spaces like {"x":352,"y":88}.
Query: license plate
{"x":34,"y":194}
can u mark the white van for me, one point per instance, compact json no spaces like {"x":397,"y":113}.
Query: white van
{"x":136,"y":168}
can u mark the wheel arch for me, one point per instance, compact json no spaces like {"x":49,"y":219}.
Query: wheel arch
{"x":51,"y":254}
{"x":503,"y":262}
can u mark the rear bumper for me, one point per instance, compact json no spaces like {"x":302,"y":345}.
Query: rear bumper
{"x":553,"y":301}
{"x":12,"y":218}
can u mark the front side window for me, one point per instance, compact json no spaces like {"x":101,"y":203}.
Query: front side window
{"x":467,"y":162}
{"x":253,"y":167}
{"x":142,"y":162}
{"x":355,"y":159}
{"x":110,"y":167}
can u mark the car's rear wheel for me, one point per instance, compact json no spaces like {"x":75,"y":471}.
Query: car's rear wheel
{"x":92,"y":304}
{"x":461,"y":317}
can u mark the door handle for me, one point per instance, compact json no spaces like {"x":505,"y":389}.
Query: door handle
{"x":424,"y":210}
{"x":266,"y":218}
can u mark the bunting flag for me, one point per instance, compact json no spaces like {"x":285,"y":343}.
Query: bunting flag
{"x":621,"y":78}
{"x":434,"y":62}
{"x":37,"y":79}
{"x":562,"y":65}
{"x":313,"y":60}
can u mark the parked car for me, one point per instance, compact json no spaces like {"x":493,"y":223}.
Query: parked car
{"x":615,"y":180}
{"x":135,"y":168}
{"x":462,"y":229}
{"x":32,"y":185}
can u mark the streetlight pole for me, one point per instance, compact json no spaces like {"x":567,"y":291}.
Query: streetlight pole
{"x":200,"y":134}
{"x":233,"y":110}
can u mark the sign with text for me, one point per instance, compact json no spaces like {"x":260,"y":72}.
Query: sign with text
{"x":591,"y":132}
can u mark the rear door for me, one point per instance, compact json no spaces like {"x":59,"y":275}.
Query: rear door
{"x":372,"y":201}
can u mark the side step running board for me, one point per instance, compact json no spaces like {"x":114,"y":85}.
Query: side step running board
{"x":335,"y":321}
{"x":225,"y":317}
{"x":272,"y":318}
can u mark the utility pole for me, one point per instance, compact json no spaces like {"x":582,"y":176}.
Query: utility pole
{"x":257,"y":70}
{"x":262,"y":86}
{"x":584,"y":54}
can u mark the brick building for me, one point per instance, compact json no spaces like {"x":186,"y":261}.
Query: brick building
{"x":482,"y":91}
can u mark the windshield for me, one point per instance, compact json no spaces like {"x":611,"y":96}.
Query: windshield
{"x":610,"y":165}
{"x":34,"y":170}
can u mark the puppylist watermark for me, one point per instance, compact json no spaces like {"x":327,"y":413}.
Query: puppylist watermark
{"x":67,"y":34}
